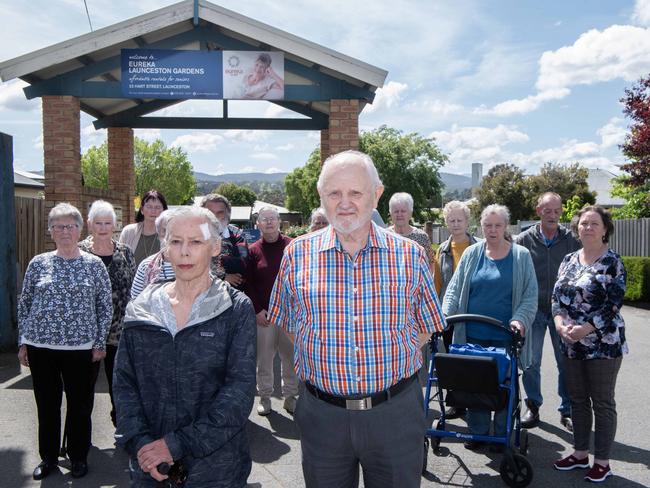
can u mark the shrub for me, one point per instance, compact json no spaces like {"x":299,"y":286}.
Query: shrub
{"x":638,"y":278}
{"x":296,"y":230}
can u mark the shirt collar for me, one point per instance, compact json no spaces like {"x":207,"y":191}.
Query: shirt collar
{"x":376,"y":238}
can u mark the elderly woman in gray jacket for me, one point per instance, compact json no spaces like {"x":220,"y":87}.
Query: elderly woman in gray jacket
{"x":495,"y":278}
{"x":185,"y":371}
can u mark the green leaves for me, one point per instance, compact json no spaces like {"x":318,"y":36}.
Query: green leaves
{"x":237,"y":195}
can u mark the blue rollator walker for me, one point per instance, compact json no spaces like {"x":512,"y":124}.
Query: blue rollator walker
{"x":477,"y":378}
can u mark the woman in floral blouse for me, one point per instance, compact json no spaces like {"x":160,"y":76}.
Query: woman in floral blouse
{"x":120,"y":263}
{"x":586,"y":305}
{"x":64,"y":315}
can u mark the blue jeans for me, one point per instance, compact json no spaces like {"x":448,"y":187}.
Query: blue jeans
{"x":531,"y":377}
{"x":479,"y":421}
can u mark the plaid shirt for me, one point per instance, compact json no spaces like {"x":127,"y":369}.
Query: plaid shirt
{"x":356,"y":320}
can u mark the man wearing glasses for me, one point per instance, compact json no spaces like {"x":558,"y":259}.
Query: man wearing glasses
{"x":548,"y":243}
{"x":264,"y":257}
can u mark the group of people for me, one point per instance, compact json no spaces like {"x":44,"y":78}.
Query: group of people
{"x":188,"y":318}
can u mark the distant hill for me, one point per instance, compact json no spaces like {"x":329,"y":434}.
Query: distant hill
{"x":451,"y":181}
{"x":240,"y":177}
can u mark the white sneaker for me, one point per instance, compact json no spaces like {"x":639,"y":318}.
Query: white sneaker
{"x":264,"y":407}
{"x":290,"y":404}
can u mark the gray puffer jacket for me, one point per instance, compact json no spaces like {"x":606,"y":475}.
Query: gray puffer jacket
{"x":194,"y":389}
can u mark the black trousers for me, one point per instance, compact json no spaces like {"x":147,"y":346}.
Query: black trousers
{"x":109,"y":364}
{"x":53,"y":372}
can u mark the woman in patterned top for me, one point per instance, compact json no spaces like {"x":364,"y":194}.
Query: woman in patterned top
{"x":120,"y":263}
{"x":586,"y":307}
{"x":64,"y":315}
{"x":401,"y":211}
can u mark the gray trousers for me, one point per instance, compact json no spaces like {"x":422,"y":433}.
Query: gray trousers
{"x":387,"y":441}
{"x":272,"y":339}
{"x":591,"y":385}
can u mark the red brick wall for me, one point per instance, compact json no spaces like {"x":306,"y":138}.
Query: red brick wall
{"x":343,"y":132}
{"x":61,"y":154}
{"x":121,"y":173}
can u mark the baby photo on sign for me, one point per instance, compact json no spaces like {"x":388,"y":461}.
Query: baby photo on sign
{"x":253,"y":75}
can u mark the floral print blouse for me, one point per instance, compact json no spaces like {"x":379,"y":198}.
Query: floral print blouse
{"x":65,"y":303}
{"x":592,"y":294}
{"x":121,"y":271}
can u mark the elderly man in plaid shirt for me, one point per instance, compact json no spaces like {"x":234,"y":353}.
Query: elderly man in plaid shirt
{"x":358,"y":302}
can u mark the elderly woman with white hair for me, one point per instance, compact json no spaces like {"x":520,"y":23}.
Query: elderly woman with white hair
{"x":120,"y":264}
{"x":156,"y":267}
{"x":318,"y":219}
{"x":64,"y":315}
{"x":185,"y":370}
{"x":400,"y":206}
{"x":496,"y":278}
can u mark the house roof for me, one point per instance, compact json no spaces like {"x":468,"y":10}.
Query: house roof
{"x":99,"y":50}
{"x":23,"y":181}
{"x":240,"y":213}
{"x":599,"y":180}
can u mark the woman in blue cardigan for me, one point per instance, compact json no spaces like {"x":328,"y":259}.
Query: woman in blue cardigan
{"x":496,"y":278}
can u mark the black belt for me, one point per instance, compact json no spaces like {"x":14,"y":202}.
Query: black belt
{"x":365,"y":403}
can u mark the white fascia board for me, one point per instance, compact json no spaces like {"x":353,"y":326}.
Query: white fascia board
{"x":290,"y":43}
{"x":93,"y":41}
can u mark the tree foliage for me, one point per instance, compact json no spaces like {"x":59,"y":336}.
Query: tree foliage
{"x":637,"y":199}
{"x":637,"y":143}
{"x":507,"y":185}
{"x":236,"y":194}
{"x":405,"y":162}
{"x":156,"y":167}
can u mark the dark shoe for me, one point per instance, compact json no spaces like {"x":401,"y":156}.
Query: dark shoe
{"x":79,"y":469}
{"x":571,"y":462}
{"x":531,"y":417}
{"x":473,"y":445}
{"x":566,"y":422}
{"x":598,"y":473}
{"x":497,"y":448}
{"x":454,"y":413}
{"x":42,"y":470}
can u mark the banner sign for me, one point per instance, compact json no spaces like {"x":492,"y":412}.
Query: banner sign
{"x":166,"y":73}
{"x":228,"y":75}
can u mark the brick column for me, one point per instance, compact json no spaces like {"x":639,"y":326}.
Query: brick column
{"x":61,"y":155}
{"x":343,"y":132}
{"x":324,"y":145}
{"x":121,"y":173}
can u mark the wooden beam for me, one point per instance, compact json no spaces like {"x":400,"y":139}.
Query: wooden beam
{"x":206,"y":123}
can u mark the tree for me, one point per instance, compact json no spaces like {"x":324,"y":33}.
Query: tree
{"x":637,"y":143}
{"x":237,"y":195}
{"x":156,"y":167}
{"x":637,"y":199}
{"x":568,"y":181}
{"x":505,"y":184}
{"x":300,"y":186}
{"x":406,"y":163}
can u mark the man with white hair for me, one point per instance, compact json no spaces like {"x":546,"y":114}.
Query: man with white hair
{"x":263,"y":264}
{"x":359,"y":302}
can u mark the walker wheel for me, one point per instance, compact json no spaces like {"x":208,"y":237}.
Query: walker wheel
{"x":518,"y":475}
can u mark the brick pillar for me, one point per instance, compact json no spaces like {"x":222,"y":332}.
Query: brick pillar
{"x":343,"y":132}
{"x":324,"y":145}
{"x":121,"y":173}
{"x":61,"y":155}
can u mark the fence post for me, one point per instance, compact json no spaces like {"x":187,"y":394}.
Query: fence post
{"x":8,"y":324}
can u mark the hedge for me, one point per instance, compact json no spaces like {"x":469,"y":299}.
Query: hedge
{"x":638,"y":278}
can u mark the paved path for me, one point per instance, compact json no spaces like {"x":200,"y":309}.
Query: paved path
{"x":275,"y":446}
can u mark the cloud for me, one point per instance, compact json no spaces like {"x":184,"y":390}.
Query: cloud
{"x":13,"y":98}
{"x":389,"y":96}
{"x":272,"y":170}
{"x":264,"y":156}
{"x":198,"y":142}
{"x":612,"y":133}
{"x":246,"y":135}
{"x":641,"y":14}
{"x":285,"y":147}
{"x":617,"y":52}
{"x":478,"y":137}
{"x":148,"y":134}
{"x":38,"y":141}
{"x":92,"y":137}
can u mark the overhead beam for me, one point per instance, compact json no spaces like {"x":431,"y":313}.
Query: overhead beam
{"x":205,"y":123}
{"x":137,"y":111}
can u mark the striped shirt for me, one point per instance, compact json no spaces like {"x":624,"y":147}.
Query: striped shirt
{"x":356,"y":320}
{"x":140,"y":281}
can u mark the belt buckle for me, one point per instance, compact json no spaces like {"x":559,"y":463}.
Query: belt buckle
{"x":360,"y":404}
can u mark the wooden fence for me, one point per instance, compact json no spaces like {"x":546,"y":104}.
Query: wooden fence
{"x":30,"y":232}
{"x":631,"y":237}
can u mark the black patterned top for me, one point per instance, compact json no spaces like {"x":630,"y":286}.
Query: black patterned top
{"x":65,"y":303}
{"x":593,"y":294}
{"x":121,"y":271}
{"x":422,"y":238}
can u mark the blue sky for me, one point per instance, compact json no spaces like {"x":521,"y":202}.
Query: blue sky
{"x":512,"y":81}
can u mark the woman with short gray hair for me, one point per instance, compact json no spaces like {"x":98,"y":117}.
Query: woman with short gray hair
{"x":185,"y":369}
{"x":318,"y":219}
{"x":401,"y":210}
{"x":120,"y":264}
{"x":64,"y":315}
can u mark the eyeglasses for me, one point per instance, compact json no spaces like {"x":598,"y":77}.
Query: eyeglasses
{"x":153,"y":208}
{"x":61,"y":227}
{"x":268,"y":220}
